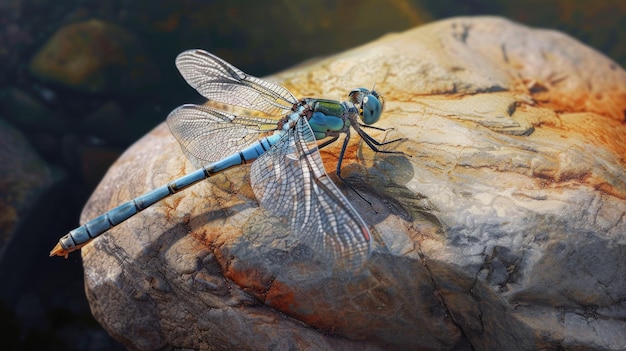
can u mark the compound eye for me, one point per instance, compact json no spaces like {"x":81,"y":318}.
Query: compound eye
{"x":371,"y":109}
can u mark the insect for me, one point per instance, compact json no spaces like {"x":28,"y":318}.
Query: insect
{"x":287,"y":175}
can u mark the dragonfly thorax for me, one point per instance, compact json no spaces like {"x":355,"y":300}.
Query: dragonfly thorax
{"x":369,"y":103}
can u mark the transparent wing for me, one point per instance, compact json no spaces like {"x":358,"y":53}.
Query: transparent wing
{"x":207,"y":135}
{"x":289,"y":181}
{"x":217,"y":80}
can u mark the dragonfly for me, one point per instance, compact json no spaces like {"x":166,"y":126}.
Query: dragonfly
{"x":286,"y":173}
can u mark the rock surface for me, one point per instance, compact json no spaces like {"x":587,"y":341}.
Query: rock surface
{"x":504,"y":228}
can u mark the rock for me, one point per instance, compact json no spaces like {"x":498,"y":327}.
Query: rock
{"x":95,"y":57}
{"x":28,"y":113}
{"x":40,"y":125}
{"x":27,"y":184}
{"x":94,"y":161}
{"x":23,"y":178}
{"x":283,"y":36}
{"x":503,"y":227}
{"x":110,"y":123}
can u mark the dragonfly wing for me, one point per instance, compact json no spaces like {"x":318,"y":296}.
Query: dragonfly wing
{"x":217,"y":80}
{"x":207,"y":135}
{"x":290,"y":182}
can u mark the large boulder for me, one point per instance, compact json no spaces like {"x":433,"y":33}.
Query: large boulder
{"x":502,"y":227}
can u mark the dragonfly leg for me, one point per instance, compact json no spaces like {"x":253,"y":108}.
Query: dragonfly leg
{"x":338,"y":170}
{"x":334,"y":138}
{"x":328,"y":142}
{"x":341,"y":153}
{"x":374,"y":127}
{"x":374,"y":144}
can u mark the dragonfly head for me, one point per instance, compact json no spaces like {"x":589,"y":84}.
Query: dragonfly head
{"x":369,"y":103}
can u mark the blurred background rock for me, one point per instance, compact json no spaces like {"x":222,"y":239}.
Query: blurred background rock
{"x":81,"y":80}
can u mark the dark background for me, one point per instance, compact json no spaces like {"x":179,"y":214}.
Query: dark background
{"x":81,"y":80}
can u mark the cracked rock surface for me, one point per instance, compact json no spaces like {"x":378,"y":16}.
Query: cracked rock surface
{"x":503,"y":226}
